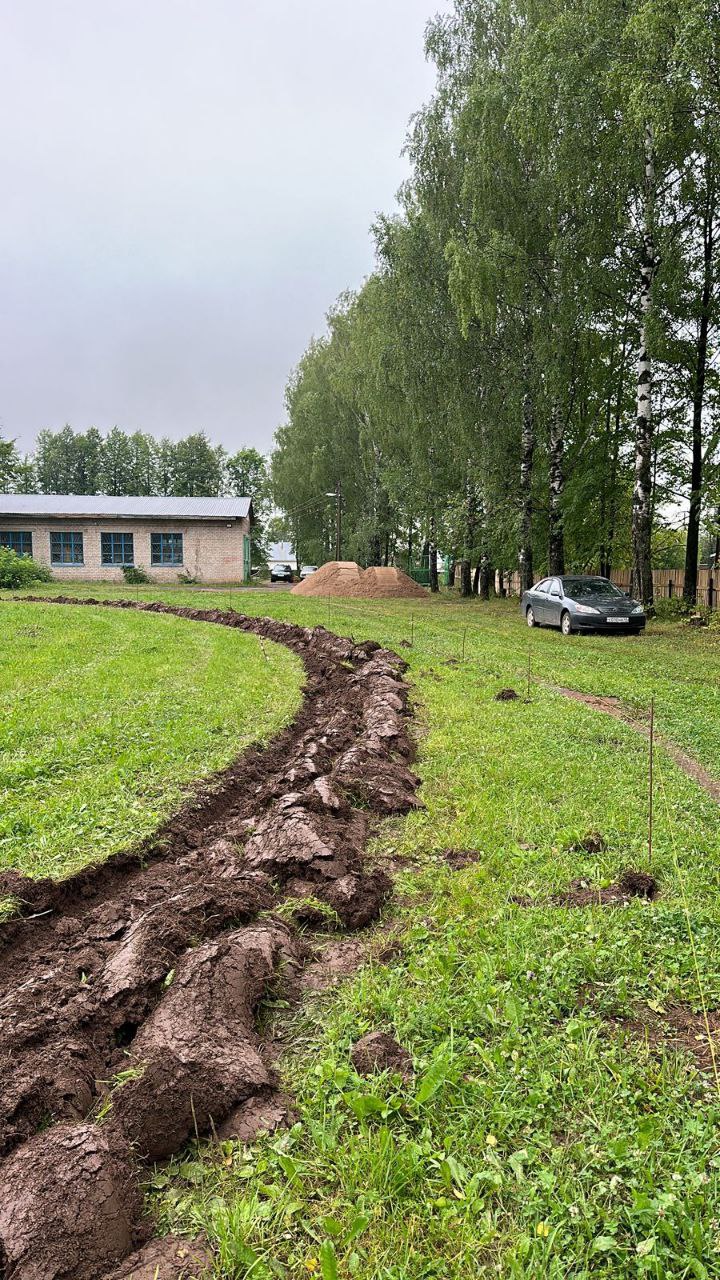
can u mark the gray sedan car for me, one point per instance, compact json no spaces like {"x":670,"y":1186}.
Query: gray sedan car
{"x":579,"y":603}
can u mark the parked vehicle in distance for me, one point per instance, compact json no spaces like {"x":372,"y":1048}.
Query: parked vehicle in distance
{"x":307,"y":569}
{"x":281,"y":573}
{"x":578,"y":602}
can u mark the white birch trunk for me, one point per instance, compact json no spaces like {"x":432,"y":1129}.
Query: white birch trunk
{"x":642,"y":493}
{"x":556,"y":539}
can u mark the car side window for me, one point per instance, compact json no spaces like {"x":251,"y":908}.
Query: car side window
{"x":555,"y":588}
{"x":542,"y":586}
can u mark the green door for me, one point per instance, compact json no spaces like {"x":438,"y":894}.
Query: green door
{"x":246,"y":558}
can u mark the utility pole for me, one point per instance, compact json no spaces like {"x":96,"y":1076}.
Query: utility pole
{"x":337,"y":495}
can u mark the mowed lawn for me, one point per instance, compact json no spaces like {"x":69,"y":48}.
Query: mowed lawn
{"x":542,"y":1136}
{"x":108,"y":716}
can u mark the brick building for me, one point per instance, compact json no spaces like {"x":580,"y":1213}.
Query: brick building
{"x":91,"y":538}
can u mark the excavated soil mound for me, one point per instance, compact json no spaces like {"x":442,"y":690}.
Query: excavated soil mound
{"x":378,"y":1051}
{"x":346,"y":578}
{"x":129,"y":993}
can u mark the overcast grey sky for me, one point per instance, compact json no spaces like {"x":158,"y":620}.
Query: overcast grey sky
{"x":186,"y":187}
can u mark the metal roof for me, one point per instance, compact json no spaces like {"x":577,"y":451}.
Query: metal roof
{"x":74,"y":504}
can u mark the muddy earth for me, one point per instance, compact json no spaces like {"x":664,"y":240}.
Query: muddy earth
{"x":129,"y":993}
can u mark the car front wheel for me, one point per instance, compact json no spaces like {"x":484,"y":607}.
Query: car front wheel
{"x":566,"y":624}
{"x":530,"y":617}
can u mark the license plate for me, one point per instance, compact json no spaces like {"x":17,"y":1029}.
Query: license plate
{"x":618,"y":619}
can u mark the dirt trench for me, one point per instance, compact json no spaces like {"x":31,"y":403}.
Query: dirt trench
{"x":129,"y":992}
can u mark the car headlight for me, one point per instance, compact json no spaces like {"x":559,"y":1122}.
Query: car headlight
{"x":639,"y":608}
{"x":585,"y":608}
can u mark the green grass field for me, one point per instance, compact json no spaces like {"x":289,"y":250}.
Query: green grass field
{"x":539,"y":1138}
{"x":107,"y":717}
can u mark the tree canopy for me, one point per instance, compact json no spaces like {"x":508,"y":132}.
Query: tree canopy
{"x":528,"y":377}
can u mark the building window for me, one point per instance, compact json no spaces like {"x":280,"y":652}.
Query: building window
{"x":66,"y":548}
{"x":166,"y":548}
{"x":116,"y":548}
{"x":17,"y":541}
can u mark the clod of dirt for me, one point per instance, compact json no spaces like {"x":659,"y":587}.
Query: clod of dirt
{"x":68,"y":1202}
{"x":198,"y":1055}
{"x":255,"y":1116}
{"x":506,"y":695}
{"x":378,"y":1051}
{"x":593,"y":842}
{"x":459,"y":858}
{"x":333,"y":962}
{"x":638,"y":884}
{"x":169,"y":1258}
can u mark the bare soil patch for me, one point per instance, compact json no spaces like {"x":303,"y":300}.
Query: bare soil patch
{"x":581,"y":893}
{"x":456,"y":859}
{"x":681,"y":1029}
{"x":593,"y":842}
{"x":130,"y":992}
{"x":640,"y":723}
{"x":507,"y":695}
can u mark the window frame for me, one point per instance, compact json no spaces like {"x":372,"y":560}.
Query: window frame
{"x":73,"y":534}
{"x":159,"y":559}
{"x":8,"y":535}
{"x":113,"y":562}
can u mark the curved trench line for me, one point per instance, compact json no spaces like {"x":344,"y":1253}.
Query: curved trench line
{"x":614,"y":707}
{"x":129,"y":992}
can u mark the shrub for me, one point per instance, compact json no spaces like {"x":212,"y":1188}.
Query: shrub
{"x":20,"y":571}
{"x":673,"y":609}
{"x":134,"y":574}
{"x":186,"y":578}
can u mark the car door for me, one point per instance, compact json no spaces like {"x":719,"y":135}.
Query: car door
{"x":538,"y":599}
{"x":553,"y":603}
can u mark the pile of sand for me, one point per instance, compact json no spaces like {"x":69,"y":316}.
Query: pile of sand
{"x":346,"y":578}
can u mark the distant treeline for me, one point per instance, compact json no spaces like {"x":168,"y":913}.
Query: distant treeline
{"x":529,"y":379}
{"x":121,"y":463}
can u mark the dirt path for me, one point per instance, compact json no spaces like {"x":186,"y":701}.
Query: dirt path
{"x":129,"y":992}
{"x":616,"y":708}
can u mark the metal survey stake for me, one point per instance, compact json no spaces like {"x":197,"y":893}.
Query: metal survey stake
{"x":650,"y":778}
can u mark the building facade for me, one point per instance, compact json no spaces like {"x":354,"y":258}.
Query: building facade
{"x":91,"y":539}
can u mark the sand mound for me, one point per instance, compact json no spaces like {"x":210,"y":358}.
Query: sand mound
{"x":346,"y":578}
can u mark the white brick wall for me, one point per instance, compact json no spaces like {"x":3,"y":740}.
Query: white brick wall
{"x":212,"y":549}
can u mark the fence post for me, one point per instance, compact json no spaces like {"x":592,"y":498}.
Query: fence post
{"x":711,"y":592}
{"x":671,"y":585}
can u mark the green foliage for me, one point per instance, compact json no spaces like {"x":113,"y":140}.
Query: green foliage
{"x":672,"y":609}
{"x":119,"y":463}
{"x":20,"y":571}
{"x":134,"y":574}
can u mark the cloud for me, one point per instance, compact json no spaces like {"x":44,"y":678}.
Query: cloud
{"x":186,"y":188}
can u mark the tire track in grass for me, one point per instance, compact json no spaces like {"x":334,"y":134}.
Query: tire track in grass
{"x":616,"y":708}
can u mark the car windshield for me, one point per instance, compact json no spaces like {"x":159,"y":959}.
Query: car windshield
{"x":580,"y":588}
